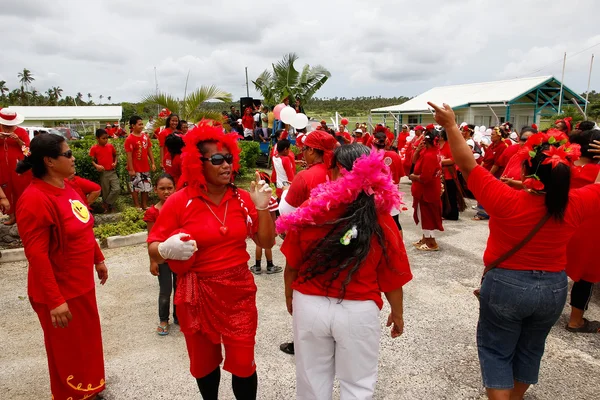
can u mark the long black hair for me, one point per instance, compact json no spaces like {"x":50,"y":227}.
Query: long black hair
{"x":168,"y":122}
{"x":557,"y":182}
{"x":42,"y":146}
{"x":329,"y":255}
{"x":583,"y":139}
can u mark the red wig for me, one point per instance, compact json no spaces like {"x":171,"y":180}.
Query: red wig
{"x":192,"y":169}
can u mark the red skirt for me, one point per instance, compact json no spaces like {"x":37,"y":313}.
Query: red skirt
{"x":220,"y":305}
{"x":75,"y":357}
{"x":431,"y":215}
{"x":582,"y":261}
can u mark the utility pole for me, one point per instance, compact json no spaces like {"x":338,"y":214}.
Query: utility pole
{"x":247,"y":89}
{"x":562,"y":83}
{"x":587,"y":93}
{"x":156,"y":91}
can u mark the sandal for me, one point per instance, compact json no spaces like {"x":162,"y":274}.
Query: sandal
{"x":424,"y":247}
{"x":587,"y":327}
{"x":162,"y":330}
{"x":418,"y":244}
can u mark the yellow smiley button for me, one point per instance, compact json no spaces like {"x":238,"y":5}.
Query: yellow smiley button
{"x":80,"y":211}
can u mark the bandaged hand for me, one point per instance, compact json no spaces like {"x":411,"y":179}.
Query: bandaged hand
{"x":177,"y":247}
{"x":260,"y":193}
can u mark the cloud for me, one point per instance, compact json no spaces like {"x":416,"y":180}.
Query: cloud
{"x":28,"y":9}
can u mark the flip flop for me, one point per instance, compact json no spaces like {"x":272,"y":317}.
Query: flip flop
{"x":479,"y":218}
{"x":424,"y":247}
{"x":162,"y":330}
{"x":417,"y":244}
{"x":587,"y":327}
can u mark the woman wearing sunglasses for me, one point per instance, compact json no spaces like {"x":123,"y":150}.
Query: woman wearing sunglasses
{"x":201,"y":232}
{"x":57,"y":232}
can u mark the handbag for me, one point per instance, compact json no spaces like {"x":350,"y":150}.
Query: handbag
{"x":512,"y":251}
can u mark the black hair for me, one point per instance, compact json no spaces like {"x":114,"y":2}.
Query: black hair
{"x":379,"y":136}
{"x":444,"y":135}
{"x":100,"y":132}
{"x":583,"y":139}
{"x":508,"y":124}
{"x":134,"y":120}
{"x":329,"y":255}
{"x":201,"y":145}
{"x":278,"y":133}
{"x":528,"y":128}
{"x":164,"y":176}
{"x":168,"y":122}
{"x":587,"y":125}
{"x":283,"y":145}
{"x":557,"y":182}
{"x":41,"y":146}
{"x":265,"y":108}
{"x":174,"y":144}
{"x":431,"y":136}
{"x":182,"y":121}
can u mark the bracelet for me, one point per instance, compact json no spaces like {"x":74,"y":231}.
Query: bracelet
{"x":261,"y":209}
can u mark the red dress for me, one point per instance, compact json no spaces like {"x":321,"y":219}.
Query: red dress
{"x":58,"y":238}
{"x":582,"y":261}
{"x":427,"y":193}
{"x":11,"y":152}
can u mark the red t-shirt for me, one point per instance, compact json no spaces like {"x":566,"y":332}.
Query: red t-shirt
{"x":104,"y":155}
{"x":139,"y":146}
{"x":402,"y":136}
{"x":57,"y":233}
{"x":304,"y":182}
{"x":162,"y":136}
{"x":83,"y":187}
{"x":507,"y":154}
{"x":514,"y":213}
{"x":111,"y":132}
{"x":173,"y":165}
{"x":514,"y":167}
{"x":248,"y":122}
{"x":376,"y":275}
{"x":446,"y":154}
{"x":428,"y":168}
{"x":492,"y":155}
{"x":151,"y":214}
{"x":186,"y":211}
{"x":393,"y":160}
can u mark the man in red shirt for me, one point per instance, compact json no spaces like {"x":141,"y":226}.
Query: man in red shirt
{"x":104,"y":159}
{"x":139,"y":161}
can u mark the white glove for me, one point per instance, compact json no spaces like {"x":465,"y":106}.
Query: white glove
{"x":174,"y":248}
{"x":260,"y":193}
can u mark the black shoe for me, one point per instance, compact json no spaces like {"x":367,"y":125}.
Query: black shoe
{"x":287,"y":348}
{"x":256,"y":270}
{"x":273,"y":269}
{"x":176,"y":320}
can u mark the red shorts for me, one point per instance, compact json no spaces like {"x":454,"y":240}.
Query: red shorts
{"x":206,"y":356}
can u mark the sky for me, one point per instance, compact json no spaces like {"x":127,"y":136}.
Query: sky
{"x":372,"y":48}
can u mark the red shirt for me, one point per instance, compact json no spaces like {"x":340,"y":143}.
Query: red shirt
{"x":446,"y":154}
{"x":393,"y":160}
{"x":304,"y":182}
{"x":514,"y":213}
{"x":492,"y":155}
{"x":429,"y":169}
{"x":514,"y":166}
{"x":57,"y":232}
{"x":376,"y":275}
{"x":83,"y":187}
{"x":186,"y":211}
{"x":151,"y":214}
{"x":139,"y":146}
{"x":111,"y":132}
{"x":173,"y":165}
{"x":104,"y":155}
{"x":248,"y":122}
{"x":410,"y":151}
{"x":162,"y":136}
{"x":402,"y":136}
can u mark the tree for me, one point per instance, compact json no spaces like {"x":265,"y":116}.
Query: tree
{"x":57,"y":93}
{"x":79,"y":97}
{"x":3,"y":89}
{"x":100,"y":97}
{"x":568,"y":111}
{"x":89,"y":97}
{"x":108,"y":98}
{"x":190,"y":108}
{"x":25,"y":77}
{"x":286,"y":81}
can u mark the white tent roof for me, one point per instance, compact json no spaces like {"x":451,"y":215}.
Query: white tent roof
{"x":68,"y":113}
{"x":462,"y":95}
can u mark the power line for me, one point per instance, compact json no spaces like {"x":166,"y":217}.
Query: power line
{"x":558,"y":61}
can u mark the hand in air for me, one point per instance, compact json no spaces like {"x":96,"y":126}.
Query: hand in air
{"x":444,"y":115}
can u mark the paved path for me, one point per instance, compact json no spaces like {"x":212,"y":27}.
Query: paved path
{"x":436,"y":358}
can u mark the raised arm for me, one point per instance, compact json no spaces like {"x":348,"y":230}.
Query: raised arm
{"x":461,"y":152}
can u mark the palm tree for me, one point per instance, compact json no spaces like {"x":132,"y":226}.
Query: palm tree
{"x":89,"y":97}
{"x":100,"y":97}
{"x":51,"y":94}
{"x":57,"y":93}
{"x":286,"y":81}
{"x":79,"y":97}
{"x":3,"y":89}
{"x":34,"y":95}
{"x":190,"y":108}
{"x":25,"y":78}
{"x":108,"y":98}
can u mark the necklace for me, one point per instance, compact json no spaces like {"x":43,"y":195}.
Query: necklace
{"x":223,"y":229}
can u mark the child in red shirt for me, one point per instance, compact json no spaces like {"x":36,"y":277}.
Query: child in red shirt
{"x":172,"y":157}
{"x":87,"y":190}
{"x":167,"y":280}
{"x":104,"y":159}
{"x":139,"y":161}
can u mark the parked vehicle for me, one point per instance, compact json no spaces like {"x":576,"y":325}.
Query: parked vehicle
{"x":69,"y":134}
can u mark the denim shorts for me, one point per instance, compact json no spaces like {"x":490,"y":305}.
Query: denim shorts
{"x":516,"y":312}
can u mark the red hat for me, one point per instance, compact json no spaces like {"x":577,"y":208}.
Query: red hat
{"x":430,"y":127}
{"x":10,"y":118}
{"x":300,"y":140}
{"x":419,"y":128}
{"x":323,"y":122}
{"x":323,"y":141}
{"x":567,"y":121}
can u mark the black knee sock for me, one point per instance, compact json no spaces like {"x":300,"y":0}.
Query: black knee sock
{"x":245,"y":388}
{"x":209,"y":385}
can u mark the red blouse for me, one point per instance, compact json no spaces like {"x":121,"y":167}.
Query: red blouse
{"x":57,"y":233}
{"x":429,"y":169}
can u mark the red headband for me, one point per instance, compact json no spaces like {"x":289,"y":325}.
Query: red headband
{"x":8,"y":117}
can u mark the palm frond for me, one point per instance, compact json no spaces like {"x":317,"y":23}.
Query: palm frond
{"x":315,"y":79}
{"x":193,"y":101}
{"x":286,"y":76}
{"x":164,"y":100}
{"x":206,"y":114}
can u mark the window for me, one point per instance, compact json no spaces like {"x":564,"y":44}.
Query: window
{"x":413,"y":120}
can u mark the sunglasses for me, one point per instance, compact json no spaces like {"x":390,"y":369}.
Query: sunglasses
{"x":67,"y":154}
{"x":218,"y":159}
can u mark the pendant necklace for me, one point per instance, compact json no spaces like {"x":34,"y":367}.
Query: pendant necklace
{"x":223,"y":229}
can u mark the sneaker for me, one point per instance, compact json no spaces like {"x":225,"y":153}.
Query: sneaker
{"x":287,"y":348}
{"x":273,"y":269}
{"x":256,"y":269}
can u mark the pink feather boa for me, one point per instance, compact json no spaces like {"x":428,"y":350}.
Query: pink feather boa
{"x":369,"y":174}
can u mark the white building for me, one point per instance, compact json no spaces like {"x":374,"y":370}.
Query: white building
{"x":50,"y":116}
{"x":521,"y":101}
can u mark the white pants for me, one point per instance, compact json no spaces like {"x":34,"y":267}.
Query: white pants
{"x":332,"y":339}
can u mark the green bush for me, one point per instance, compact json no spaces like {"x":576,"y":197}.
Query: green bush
{"x":248,"y":157}
{"x":132,"y":222}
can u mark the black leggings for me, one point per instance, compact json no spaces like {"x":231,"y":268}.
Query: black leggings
{"x":167,"y":282}
{"x":243,"y":388}
{"x":581,"y":294}
{"x":397,"y":221}
{"x":451,"y":191}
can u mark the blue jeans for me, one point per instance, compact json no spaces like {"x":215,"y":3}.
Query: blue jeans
{"x":516,"y":312}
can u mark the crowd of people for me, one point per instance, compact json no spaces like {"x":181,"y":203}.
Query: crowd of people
{"x":336,"y":205}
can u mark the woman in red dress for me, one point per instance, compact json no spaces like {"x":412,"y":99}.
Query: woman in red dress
{"x":216,"y":294}
{"x":583,"y":264}
{"x":14,"y":144}
{"x":57,"y":232}
{"x":426,"y":190}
